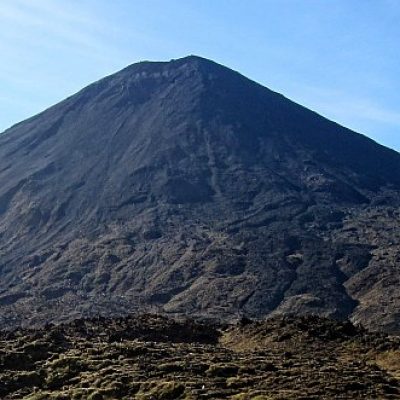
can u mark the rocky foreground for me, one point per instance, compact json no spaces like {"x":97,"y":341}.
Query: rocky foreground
{"x":152,"y":357}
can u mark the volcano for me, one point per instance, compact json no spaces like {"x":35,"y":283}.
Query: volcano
{"x":183,"y":187}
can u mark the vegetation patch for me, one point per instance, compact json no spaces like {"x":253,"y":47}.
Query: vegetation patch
{"x":318,"y":358}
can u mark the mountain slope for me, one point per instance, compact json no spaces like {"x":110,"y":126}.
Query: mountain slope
{"x":186,"y":187}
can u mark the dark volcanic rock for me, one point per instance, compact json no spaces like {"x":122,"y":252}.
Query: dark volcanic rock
{"x":186,"y":188}
{"x":150,"y":357}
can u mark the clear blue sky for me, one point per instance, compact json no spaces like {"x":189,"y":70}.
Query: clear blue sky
{"x":340,"y":58}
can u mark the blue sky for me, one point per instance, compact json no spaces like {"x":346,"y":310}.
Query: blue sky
{"x":340,"y":58}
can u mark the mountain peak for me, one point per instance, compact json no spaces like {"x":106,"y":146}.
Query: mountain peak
{"x":153,"y":66}
{"x":190,"y":59}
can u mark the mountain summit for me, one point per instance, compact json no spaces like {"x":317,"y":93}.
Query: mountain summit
{"x":186,"y":188}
